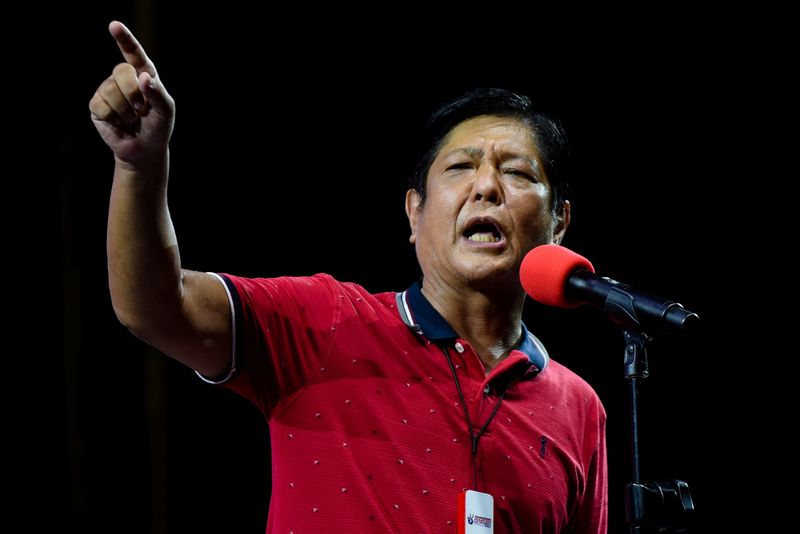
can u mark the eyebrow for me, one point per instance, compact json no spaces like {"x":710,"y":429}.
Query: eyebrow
{"x":477,"y":152}
{"x":472,"y":151}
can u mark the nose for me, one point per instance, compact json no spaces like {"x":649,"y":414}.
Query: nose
{"x":486,"y":186}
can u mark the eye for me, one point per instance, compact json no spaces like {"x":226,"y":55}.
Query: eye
{"x":459,"y":166}
{"x":522,"y":174}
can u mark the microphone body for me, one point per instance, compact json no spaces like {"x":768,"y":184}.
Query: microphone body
{"x":627,"y":306}
{"x":557,"y":276}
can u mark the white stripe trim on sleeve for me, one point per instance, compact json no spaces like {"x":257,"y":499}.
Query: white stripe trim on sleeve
{"x":233,"y":338}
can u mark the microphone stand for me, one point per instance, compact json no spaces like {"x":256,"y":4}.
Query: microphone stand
{"x":661,"y":506}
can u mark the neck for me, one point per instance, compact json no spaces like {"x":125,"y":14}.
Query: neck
{"x":491,"y":323}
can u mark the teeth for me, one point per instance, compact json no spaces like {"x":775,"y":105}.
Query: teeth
{"x":484,"y":237}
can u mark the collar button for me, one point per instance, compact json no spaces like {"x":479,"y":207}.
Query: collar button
{"x":459,"y":347}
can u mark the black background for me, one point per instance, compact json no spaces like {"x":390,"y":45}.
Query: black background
{"x":290,"y":156}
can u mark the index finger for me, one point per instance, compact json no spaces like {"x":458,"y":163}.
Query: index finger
{"x":131,"y":50}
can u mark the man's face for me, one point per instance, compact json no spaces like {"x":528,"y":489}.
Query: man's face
{"x":487,"y":205}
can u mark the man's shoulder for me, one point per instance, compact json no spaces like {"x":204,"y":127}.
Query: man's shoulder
{"x":571,"y":383}
{"x":316,"y":287}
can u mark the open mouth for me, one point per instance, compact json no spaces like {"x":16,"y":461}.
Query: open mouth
{"x":483,"y":231}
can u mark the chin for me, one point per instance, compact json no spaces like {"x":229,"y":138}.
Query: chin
{"x":492,"y":272}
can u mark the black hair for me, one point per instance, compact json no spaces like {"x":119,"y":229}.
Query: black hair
{"x":549,"y":135}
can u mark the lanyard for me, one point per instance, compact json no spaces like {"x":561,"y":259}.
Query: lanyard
{"x":471,"y":429}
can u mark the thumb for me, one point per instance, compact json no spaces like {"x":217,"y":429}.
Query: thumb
{"x":155,"y":94}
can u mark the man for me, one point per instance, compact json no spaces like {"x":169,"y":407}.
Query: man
{"x":384,"y":408}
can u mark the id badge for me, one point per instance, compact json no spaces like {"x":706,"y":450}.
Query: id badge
{"x":475,"y":513}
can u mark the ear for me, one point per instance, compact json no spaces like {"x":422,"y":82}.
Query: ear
{"x":561,"y":222}
{"x":413,"y":206}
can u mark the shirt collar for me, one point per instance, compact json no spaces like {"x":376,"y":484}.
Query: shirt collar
{"x":419,"y":315}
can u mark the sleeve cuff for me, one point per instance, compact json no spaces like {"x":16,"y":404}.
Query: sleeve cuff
{"x":232,"y":371}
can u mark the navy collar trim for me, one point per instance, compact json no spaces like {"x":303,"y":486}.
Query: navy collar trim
{"x":419,"y":315}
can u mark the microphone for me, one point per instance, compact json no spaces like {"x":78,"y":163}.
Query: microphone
{"x":556,"y":276}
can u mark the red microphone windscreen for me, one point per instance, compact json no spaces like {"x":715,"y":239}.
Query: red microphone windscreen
{"x":544,"y":273}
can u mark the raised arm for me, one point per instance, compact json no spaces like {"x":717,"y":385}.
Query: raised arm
{"x":182,"y":313}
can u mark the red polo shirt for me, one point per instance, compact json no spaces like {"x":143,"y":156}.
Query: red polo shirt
{"x":368,"y":429}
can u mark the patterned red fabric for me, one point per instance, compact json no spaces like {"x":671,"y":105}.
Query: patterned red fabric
{"x":367,"y":430}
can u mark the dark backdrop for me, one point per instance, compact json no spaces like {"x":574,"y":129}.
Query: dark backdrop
{"x":290,"y":156}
